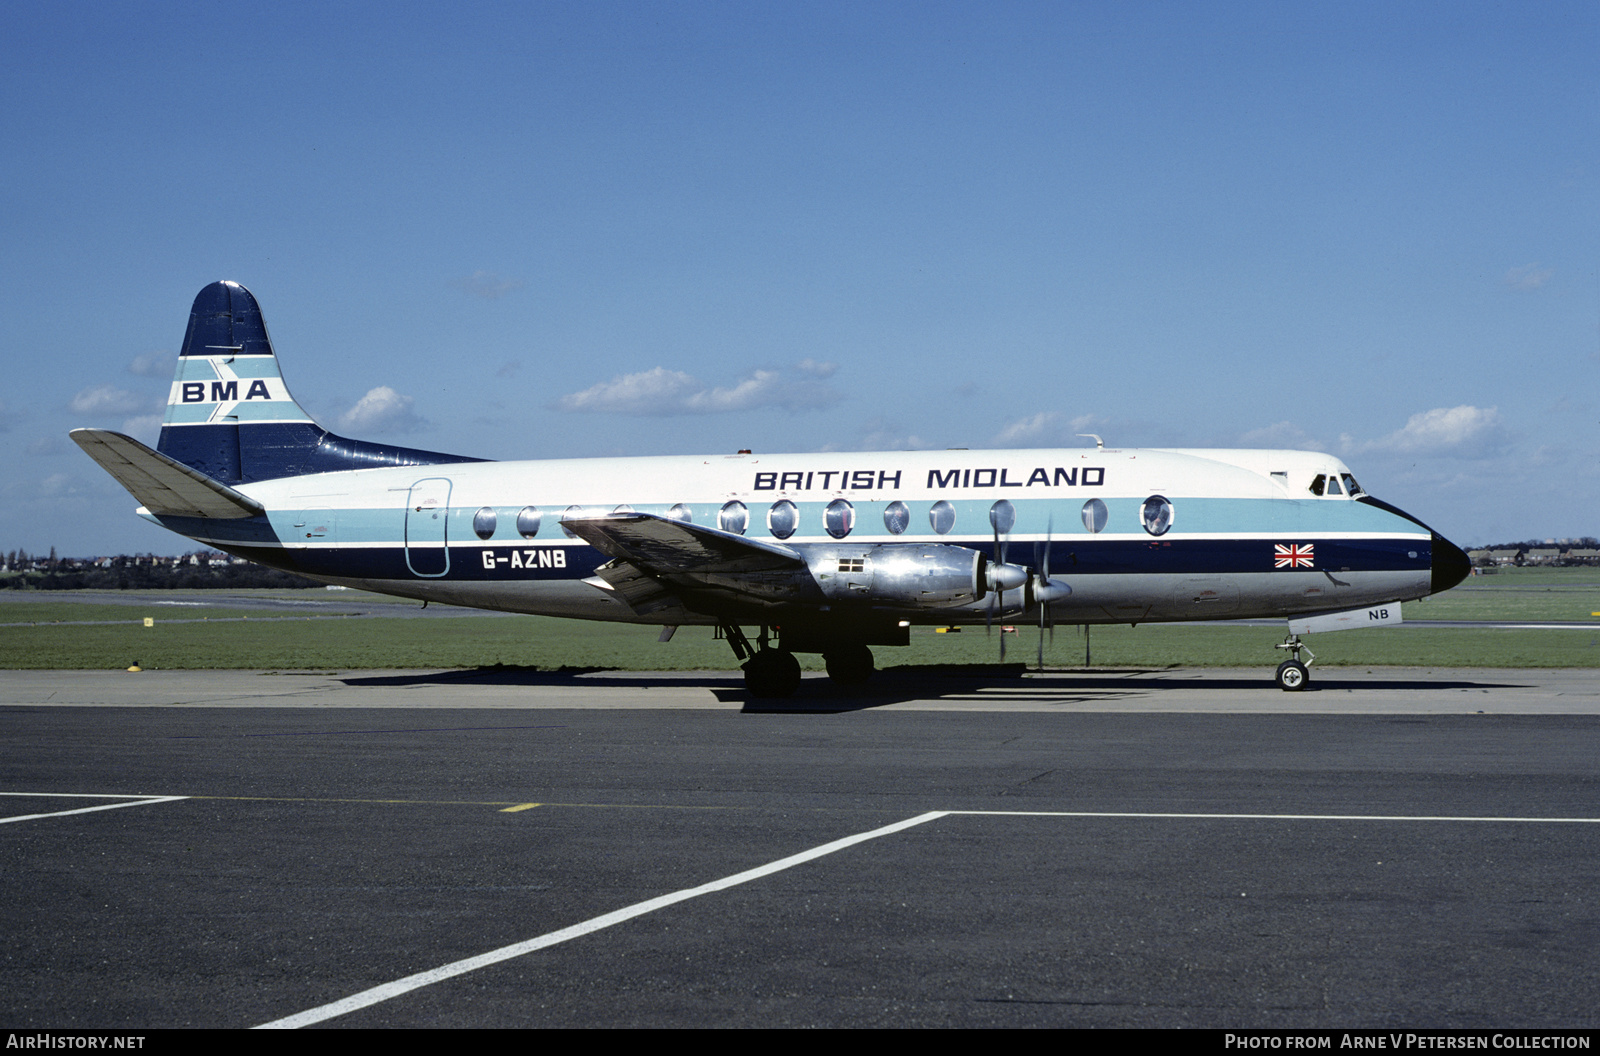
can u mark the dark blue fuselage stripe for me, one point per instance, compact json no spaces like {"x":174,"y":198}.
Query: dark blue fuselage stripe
{"x":1079,"y":557}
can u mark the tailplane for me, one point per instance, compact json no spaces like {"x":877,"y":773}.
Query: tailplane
{"x":230,"y":416}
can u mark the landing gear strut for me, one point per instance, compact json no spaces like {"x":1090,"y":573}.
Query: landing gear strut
{"x":1292,"y":675}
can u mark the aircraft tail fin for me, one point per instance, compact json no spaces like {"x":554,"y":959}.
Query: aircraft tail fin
{"x":230,"y":416}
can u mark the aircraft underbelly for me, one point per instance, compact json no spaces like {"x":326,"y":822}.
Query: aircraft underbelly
{"x":1140,"y":597}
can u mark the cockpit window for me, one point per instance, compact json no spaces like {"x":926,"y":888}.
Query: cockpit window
{"x":1333,"y":486}
{"x":1318,"y":483}
{"x":1350,"y":486}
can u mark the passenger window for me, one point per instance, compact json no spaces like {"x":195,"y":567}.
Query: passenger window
{"x":528,"y":522}
{"x":896,"y":517}
{"x":1003,"y":516}
{"x":483,"y":522}
{"x":681,"y":513}
{"x":1094,"y":515}
{"x":942,"y":516}
{"x":783,"y":518}
{"x":1156,"y":515}
{"x":839,"y":518}
{"x":733,"y":517}
{"x":569,"y":514}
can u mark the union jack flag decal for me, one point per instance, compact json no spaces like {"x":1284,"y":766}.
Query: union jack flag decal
{"x":1295,"y":555}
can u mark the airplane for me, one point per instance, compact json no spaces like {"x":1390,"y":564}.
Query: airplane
{"x":821,"y":553}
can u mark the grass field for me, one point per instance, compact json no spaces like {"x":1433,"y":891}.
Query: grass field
{"x":181,"y":638}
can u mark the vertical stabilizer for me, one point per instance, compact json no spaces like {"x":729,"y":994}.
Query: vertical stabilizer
{"x":227,"y":377}
{"x":230,"y":415}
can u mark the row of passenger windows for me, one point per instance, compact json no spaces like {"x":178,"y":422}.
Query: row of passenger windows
{"x":838,"y":519}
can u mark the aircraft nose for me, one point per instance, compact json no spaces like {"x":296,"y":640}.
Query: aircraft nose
{"x":1450,"y":564}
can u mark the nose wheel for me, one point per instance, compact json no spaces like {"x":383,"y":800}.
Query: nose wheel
{"x":1293,"y":675}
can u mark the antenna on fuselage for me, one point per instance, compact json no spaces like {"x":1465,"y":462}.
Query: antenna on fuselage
{"x":1099,"y":444}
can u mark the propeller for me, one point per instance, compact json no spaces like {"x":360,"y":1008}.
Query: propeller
{"x":1002,"y":576}
{"x":1044,"y":589}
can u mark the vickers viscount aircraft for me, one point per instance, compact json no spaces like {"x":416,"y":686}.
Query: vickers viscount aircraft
{"x":821,"y":553}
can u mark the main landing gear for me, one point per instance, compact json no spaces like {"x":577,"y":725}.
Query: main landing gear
{"x":1292,"y":675}
{"x":772,"y":672}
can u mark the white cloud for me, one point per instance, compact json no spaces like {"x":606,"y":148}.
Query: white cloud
{"x":662,"y":393}
{"x":157,"y":364}
{"x":1050,"y":429}
{"x":1528,"y":277}
{"x":107,"y":400}
{"x":815,"y":369}
{"x":146,"y":428}
{"x":1030,"y":431}
{"x":487,"y":284}
{"x":1460,"y":432}
{"x":880,"y":434}
{"x":1281,"y":436}
{"x":382,"y":410}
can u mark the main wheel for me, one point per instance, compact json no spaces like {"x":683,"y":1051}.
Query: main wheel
{"x":771,"y":673}
{"x":849,"y":665}
{"x":1292,"y":676}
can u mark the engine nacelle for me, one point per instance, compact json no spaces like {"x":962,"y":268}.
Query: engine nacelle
{"x":910,"y":575}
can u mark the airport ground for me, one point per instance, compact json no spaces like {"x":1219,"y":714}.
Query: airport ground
{"x":1131,"y":847}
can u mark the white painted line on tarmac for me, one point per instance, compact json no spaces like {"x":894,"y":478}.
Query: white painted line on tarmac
{"x":134,"y":801}
{"x":1276,"y":817}
{"x":505,"y":953}
{"x":383,"y":993}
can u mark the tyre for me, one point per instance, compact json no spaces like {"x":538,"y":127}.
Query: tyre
{"x":772,"y":673}
{"x":849,"y":665}
{"x":1292,"y":676}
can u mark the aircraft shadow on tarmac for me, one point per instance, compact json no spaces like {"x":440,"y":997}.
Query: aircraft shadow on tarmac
{"x":910,"y":682}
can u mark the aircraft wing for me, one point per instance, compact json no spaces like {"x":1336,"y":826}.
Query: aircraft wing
{"x":661,"y":547}
{"x":655,"y":560}
{"x":161,"y":485}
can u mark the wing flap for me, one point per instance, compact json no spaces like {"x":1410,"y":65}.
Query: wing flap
{"x":162,"y":485}
{"x":655,"y":560}
{"x":662,"y":547}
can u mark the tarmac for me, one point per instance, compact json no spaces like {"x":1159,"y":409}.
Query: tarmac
{"x":1394,"y":848}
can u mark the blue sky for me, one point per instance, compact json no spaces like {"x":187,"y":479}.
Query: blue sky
{"x":562,"y":229}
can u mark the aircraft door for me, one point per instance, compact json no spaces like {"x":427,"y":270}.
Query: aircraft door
{"x":428,"y":527}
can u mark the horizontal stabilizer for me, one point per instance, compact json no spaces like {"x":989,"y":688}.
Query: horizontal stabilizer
{"x":663,"y":547}
{"x":163,"y":486}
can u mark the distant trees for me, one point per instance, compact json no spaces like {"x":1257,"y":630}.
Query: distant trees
{"x":200,"y":571}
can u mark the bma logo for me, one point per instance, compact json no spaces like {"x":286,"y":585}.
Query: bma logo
{"x":224,"y":391}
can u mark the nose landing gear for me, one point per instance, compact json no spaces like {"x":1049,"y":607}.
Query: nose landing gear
{"x":1293,"y":675}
